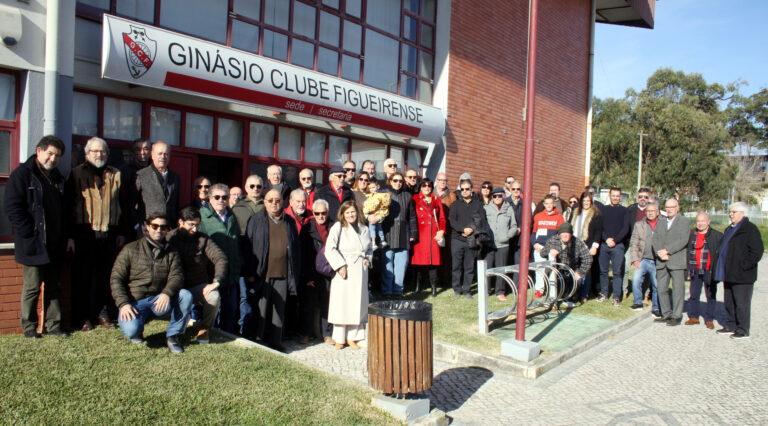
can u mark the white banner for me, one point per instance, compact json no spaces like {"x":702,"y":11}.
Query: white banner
{"x":138,"y":53}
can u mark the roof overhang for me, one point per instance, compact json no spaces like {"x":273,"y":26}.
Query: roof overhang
{"x":631,"y":13}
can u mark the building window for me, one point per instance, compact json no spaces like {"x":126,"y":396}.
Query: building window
{"x":140,"y":10}
{"x":208,"y":19}
{"x":85,"y":114}
{"x":198,"y":131}
{"x":364,"y":150}
{"x":314,"y":147}
{"x":230,"y":134}
{"x":338,"y":149}
{"x":122,"y":119}
{"x":87,"y":39}
{"x":165,"y":125}
{"x":289,"y":143}
{"x":9,"y":143}
{"x":262,"y":139}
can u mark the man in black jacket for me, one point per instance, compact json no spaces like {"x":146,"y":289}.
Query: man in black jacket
{"x":335,"y":193}
{"x":463,"y":217}
{"x":34,"y":206}
{"x":741,"y":249}
{"x":703,"y":249}
{"x":271,"y":269}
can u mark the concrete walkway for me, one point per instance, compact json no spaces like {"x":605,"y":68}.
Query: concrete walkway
{"x":648,"y":374}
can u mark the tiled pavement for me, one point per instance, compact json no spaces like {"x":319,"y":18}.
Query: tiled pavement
{"x":648,"y":374}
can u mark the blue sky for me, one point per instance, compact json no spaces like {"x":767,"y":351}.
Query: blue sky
{"x":724,"y":40}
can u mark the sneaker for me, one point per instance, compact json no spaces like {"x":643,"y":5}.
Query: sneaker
{"x":203,"y":336}
{"x":656,"y":314}
{"x":738,"y":335}
{"x":32,"y":334}
{"x":637,"y":307}
{"x":468,"y":295}
{"x":384,"y":244}
{"x":137,"y":340}
{"x":374,"y":247}
{"x":724,"y":331}
{"x":601,"y":298}
{"x":616,"y":303}
{"x":502,"y":297}
{"x":538,"y":294}
{"x":174,"y":345}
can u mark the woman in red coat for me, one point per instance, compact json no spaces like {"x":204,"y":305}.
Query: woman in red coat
{"x":431,"y":222}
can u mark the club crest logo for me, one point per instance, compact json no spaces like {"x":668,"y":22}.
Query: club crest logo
{"x":140,"y":51}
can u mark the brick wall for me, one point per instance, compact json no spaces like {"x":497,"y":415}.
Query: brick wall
{"x":10,"y":294}
{"x":486,"y":94}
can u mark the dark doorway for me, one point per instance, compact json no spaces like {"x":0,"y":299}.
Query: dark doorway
{"x":226,"y":170}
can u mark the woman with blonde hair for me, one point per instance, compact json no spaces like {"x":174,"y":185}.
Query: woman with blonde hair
{"x":348,"y":251}
{"x":587,"y":225}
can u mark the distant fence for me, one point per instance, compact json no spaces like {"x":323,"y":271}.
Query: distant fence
{"x":720,"y":217}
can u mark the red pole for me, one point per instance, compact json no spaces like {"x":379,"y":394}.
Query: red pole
{"x":525,"y":236}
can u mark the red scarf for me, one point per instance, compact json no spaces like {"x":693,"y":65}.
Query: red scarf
{"x":322,"y":230}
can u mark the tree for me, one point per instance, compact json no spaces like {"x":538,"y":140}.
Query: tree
{"x":683,"y":152}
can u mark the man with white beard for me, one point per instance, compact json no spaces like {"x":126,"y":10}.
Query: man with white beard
{"x":93,"y":227}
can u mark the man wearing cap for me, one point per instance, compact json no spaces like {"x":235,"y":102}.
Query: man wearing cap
{"x":501,"y":221}
{"x":572,"y":252}
{"x":336,"y":192}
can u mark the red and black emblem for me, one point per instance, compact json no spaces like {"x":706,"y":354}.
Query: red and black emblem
{"x":139,"y":51}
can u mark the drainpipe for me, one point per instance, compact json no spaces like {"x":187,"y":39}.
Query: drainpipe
{"x":588,"y":148}
{"x":50,"y":101}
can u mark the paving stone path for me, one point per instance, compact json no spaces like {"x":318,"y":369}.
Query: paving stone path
{"x":648,"y":374}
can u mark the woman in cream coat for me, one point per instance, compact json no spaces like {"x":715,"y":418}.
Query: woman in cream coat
{"x":348,"y":250}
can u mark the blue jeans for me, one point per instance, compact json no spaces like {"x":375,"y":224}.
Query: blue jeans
{"x":583,"y":287}
{"x":395,"y":261}
{"x":614,"y":255}
{"x":245,"y":306}
{"x":647,"y":268}
{"x":179,"y":307}
{"x":375,"y":230}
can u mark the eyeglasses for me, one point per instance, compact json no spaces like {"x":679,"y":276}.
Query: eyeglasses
{"x":203,"y":186}
{"x":441,"y":180}
{"x":466,"y":189}
{"x":220,"y":197}
{"x":515,"y":189}
{"x":391,"y":165}
{"x":397,"y":181}
{"x":320,"y":213}
{"x":510,"y":182}
{"x":349,"y":170}
{"x":306,"y":178}
{"x":487,"y":187}
{"x":498,"y":196}
{"x":426,"y":185}
{"x":411,"y":177}
{"x":364,"y":180}
{"x":338,"y":175}
{"x":573,"y":202}
{"x":251,"y":186}
{"x":156,"y":226}
{"x":273,"y":201}
{"x":643,"y":196}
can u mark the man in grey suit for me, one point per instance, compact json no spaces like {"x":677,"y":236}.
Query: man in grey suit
{"x":669,"y":245}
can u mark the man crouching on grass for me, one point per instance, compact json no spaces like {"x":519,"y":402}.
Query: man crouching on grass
{"x":147,"y":281}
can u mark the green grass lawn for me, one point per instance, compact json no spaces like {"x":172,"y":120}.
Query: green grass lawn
{"x":455,"y":319}
{"x":100,"y":377}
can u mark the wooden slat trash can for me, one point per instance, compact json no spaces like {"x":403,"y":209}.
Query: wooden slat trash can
{"x":400,"y":346}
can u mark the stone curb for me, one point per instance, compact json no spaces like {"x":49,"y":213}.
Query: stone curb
{"x":458,"y":355}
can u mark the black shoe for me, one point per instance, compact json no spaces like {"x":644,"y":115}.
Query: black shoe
{"x":637,"y":307}
{"x":724,"y":331}
{"x":32,"y":334}
{"x":278,"y":347}
{"x":657,"y":314}
{"x":434,"y":293}
{"x":674,"y":322}
{"x":174,"y":345}
{"x":739,"y":335}
{"x":58,"y":333}
{"x":660,"y":319}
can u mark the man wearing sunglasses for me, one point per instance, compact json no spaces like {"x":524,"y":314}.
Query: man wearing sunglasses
{"x":307,"y":182}
{"x":147,"y":282}
{"x":412,"y":181}
{"x":464,"y":214}
{"x":252,"y":203}
{"x":271,"y":269}
{"x":220,"y":224}
{"x":636,"y":214}
{"x":390,"y":167}
{"x":336,"y":192}
{"x":349,"y":173}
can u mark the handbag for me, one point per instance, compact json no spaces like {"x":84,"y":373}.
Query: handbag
{"x":441,"y":241}
{"x":322,"y":266}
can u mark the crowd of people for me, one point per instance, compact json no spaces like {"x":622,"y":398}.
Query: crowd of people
{"x":268,"y":260}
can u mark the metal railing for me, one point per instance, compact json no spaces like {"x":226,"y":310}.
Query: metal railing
{"x":554,"y":289}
